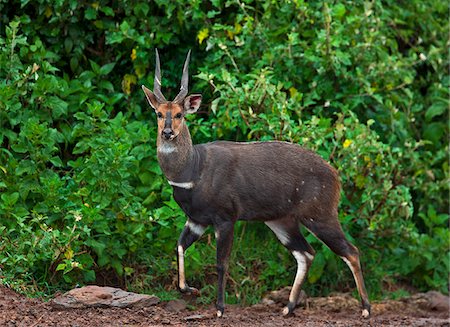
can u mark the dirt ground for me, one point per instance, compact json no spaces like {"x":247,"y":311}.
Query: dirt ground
{"x":17,"y":310}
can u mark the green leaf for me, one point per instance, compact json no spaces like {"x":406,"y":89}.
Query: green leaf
{"x":89,"y":275}
{"x":95,"y":67}
{"x":317,"y":268}
{"x":141,"y":9}
{"x":434,"y":131}
{"x":56,"y":161}
{"x":436,"y":109}
{"x":73,"y":64}
{"x":61,"y":266}
{"x":26,"y":166}
{"x":57,"y":105}
{"x":117,"y":265}
{"x":106,"y":85}
{"x":339,"y":11}
{"x":68,"y":44}
{"x":107,"y":11}
{"x":90,"y":13}
{"x":106,"y":69}
{"x":10,"y":199}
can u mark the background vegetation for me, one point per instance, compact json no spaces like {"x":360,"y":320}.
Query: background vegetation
{"x":83,"y":199}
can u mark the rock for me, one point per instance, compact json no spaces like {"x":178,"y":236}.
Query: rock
{"x":195,"y":317}
{"x":261,"y":307}
{"x":336,"y":302}
{"x":282,"y":296}
{"x":432,"y":300}
{"x":438,"y":301}
{"x":176,"y":305}
{"x":267,"y":301}
{"x":96,"y":296}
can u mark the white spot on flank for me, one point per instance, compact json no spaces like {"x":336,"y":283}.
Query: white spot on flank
{"x":296,"y":188}
{"x":323,"y":186}
{"x":195,"y":228}
{"x":281,"y":233}
{"x":182,"y":278}
{"x":289,"y":200}
{"x":303,"y":182}
{"x":185,"y":185}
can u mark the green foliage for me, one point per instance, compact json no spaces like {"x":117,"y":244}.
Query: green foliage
{"x":83,"y":198}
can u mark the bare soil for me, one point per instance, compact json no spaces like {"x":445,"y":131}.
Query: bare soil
{"x":17,"y":310}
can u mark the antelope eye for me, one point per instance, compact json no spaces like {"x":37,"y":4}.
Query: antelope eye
{"x":178,"y":115}
{"x":159,"y":115}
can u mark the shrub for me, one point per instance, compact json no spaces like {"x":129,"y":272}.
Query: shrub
{"x":83,"y":198}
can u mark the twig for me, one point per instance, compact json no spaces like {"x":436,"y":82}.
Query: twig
{"x":37,"y":321}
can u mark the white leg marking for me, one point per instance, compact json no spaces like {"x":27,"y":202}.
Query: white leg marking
{"x":281,"y":234}
{"x":195,"y":228}
{"x":219,"y":314}
{"x":365,"y":312}
{"x":301,"y":271}
{"x":309,"y":256}
{"x":182,"y":281}
{"x":349,"y":265}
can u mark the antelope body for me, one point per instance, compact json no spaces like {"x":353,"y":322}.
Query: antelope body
{"x":221,"y":182}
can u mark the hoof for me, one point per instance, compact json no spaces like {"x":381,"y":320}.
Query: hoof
{"x":190,"y":291}
{"x":288,"y":310}
{"x":220,"y":310}
{"x":365,"y":313}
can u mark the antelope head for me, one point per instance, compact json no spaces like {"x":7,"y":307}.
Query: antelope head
{"x":171,"y":113}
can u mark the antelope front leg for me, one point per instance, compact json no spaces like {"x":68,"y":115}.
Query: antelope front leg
{"x":224,"y":239}
{"x":189,"y":235}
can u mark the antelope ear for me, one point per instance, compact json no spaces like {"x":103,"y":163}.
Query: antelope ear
{"x":151,"y":98}
{"x":192,"y":103}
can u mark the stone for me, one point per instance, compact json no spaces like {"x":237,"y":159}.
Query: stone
{"x":176,"y":305}
{"x":96,"y":296}
{"x":336,"y":302}
{"x":438,"y":301}
{"x":432,"y":300}
{"x":282,"y":296}
{"x":195,"y":317}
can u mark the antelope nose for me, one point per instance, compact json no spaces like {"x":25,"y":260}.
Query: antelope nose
{"x":167,"y":133}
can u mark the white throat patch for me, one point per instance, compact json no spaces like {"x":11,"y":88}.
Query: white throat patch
{"x":185,"y":185}
{"x":167,"y":148}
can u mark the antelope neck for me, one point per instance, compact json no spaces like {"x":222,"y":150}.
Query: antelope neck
{"x":177,"y":159}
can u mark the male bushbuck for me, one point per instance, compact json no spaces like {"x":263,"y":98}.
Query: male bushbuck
{"x":278,"y":183}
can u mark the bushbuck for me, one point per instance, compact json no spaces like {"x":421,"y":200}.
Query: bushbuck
{"x":218,"y":183}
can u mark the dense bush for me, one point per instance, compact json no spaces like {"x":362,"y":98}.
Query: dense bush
{"x":82,"y":195}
